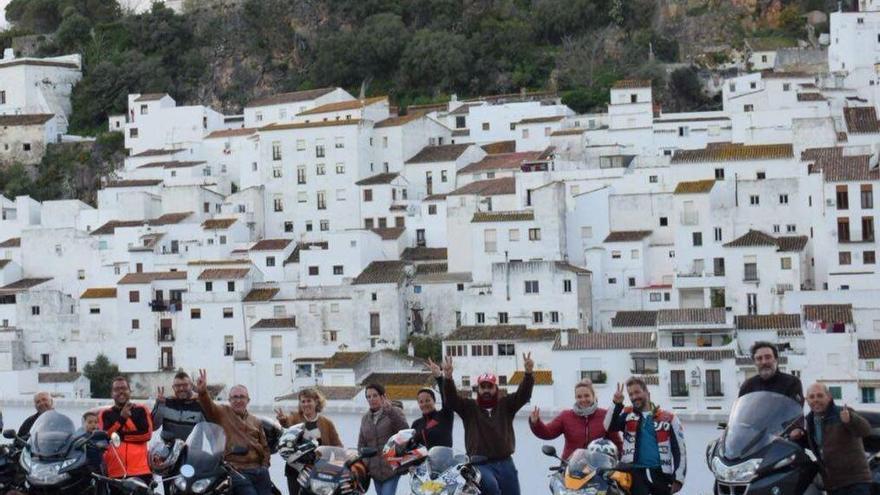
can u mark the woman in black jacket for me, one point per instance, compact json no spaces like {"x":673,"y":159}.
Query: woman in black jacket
{"x":434,"y":428}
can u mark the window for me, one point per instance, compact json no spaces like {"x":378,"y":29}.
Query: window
{"x":230,"y":286}
{"x":683,"y":131}
{"x":867,"y":194}
{"x":444,"y":176}
{"x":783,"y":199}
{"x":654,"y":297}
{"x":485,"y":126}
{"x":868,"y":258}
{"x":459,"y":122}
{"x":209,"y":286}
{"x":836,"y":392}
{"x":195,"y":314}
{"x":3,"y":99}
{"x":719,"y":174}
{"x":368,"y":195}
{"x":276,"y":150}
{"x":482,"y":350}
{"x":713,"y":383}
{"x":502,"y":318}
{"x":320,"y":169}
{"x":133,"y":133}
{"x":95,"y":310}
{"x":276,"y":351}
{"x":615,"y":255}
{"x":842,"y":196}
{"x":677,"y":384}
{"x":322,"y":200}
{"x":867,"y":228}
{"x":489,"y":241}
{"x":698,"y":238}
{"x":868,"y":395}
{"x":71,"y":364}
{"x":227,"y":312}
{"x":338,"y":269}
{"x":456,"y":351}
{"x":844,"y":258}
{"x":537,"y":317}
{"x":459,"y":287}
{"x":652,"y":179}
{"x":566,"y":286}
{"x":340,"y":169}
{"x":513,"y":235}
{"x":374,"y":324}
{"x":843,"y":229}
{"x":506,"y":350}
{"x":313,"y":271}
{"x":677,"y":340}
{"x":131,"y":353}
{"x":718,"y":266}
{"x":752,"y":303}
{"x":791,"y":228}
{"x":754,"y":200}
{"x":749,"y":108}
{"x":750,"y":269}
{"x":276,"y":172}
{"x":481,"y":318}
{"x":525,"y":132}
{"x":278,"y":204}
{"x":612,"y":281}
{"x":631,"y":281}
{"x":319,"y":151}
{"x":44,"y":359}
{"x":531,"y":286}
{"x":633,"y":98}
{"x":664,"y":221}
{"x":785,"y":263}
{"x":301,"y":174}
{"x":135,"y":324}
{"x":717,"y":234}
{"x":554,"y":317}
{"x":228,"y":345}
{"x":534,"y":234}
{"x":270,"y":261}
{"x":761,"y":175}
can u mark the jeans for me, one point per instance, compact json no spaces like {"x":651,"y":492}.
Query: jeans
{"x":499,"y":478}
{"x":651,"y":482}
{"x":252,"y":482}
{"x":857,"y":489}
{"x":387,"y":487}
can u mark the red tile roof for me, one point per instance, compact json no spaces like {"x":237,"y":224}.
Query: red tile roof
{"x":830,"y":313}
{"x":631,"y":84}
{"x":225,"y":133}
{"x":869,"y":348}
{"x":133,"y":183}
{"x":625,"y":319}
{"x":627,"y":235}
{"x":441,"y":153}
{"x":218,"y":223}
{"x":154,"y":152}
{"x":846,"y":168}
{"x":693,"y":316}
{"x":606,"y":341}
{"x":342,"y":106}
{"x":499,"y":332}
{"x":224,"y":273}
{"x":148,"y":277}
{"x":730,"y":152}
{"x":768,"y":322}
{"x":275,"y":323}
{"x":500,"y":147}
{"x":503,"y":161}
{"x":861,"y":120}
{"x":260,"y":295}
{"x":389,"y":233}
{"x":490,"y":187}
{"x":309,"y":125}
{"x":294,"y":97}
{"x":382,"y":272}
{"x":271,"y":245}
{"x":150,"y":97}
{"x":172,"y":164}
{"x":694,"y":187}
{"x":99,"y":293}
{"x":756,"y":238}
{"x":378,"y":180}
{"x":11,"y":242}
{"x":503,"y":216}
{"x":423,"y":254}
{"x":25,"y":119}
{"x":707,"y":355}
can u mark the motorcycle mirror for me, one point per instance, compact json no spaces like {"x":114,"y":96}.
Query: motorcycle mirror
{"x":549,"y":450}
{"x":187,"y":471}
{"x":10,"y":434}
{"x":238,"y":450}
{"x":367,"y":452}
{"x":115,"y":439}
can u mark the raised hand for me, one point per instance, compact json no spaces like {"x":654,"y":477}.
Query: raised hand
{"x":279,"y":415}
{"x":160,"y":394}
{"x":202,"y":382}
{"x":434,"y":368}
{"x":618,"y":394}
{"x":447,"y":367}
{"x":845,"y":416}
{"x":528,"y":363}
{"x":126,"y":410}
{"x":535,"y":416}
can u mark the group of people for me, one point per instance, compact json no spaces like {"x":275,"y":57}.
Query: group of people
{"x":649,"y":439}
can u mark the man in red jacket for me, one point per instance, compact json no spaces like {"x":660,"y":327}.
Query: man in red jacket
{"x":133,"y":425}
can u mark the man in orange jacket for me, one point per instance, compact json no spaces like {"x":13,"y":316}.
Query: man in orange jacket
{"x":133,"y":425}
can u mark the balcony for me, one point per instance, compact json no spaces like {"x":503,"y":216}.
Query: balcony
{"x":165,"y":335}
{"x":163,"y":305}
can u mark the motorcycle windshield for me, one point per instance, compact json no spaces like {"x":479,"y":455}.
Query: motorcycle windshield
{"x":335,"y":456}
{"x":205,"y":446}
{"x":755,"y":420}
{"x":441,"y":459}
{"x":583,"y":462}
{"x":51,"y":435}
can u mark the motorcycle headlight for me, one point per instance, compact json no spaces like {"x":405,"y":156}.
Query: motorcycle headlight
{"x":784,"y":462}
{"x":201,"y":485}
{"x":319,"y":487}
{"x":427,"y":487}
{"x":46,"y":474}
{"x":416,"y":486}
{"x":180,"y":483}
{"x":67,"y":463}
{"x":739,"y":473}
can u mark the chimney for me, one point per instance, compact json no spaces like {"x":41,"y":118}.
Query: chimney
{"x":563,"y":338}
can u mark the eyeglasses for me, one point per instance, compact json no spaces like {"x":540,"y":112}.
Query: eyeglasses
{"x":238,"y":397}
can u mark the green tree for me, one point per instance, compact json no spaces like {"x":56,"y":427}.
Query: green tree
{"x":74,"y":33}
{"x":436,"y":61}
{"x":101,"y":373}
{"x":791,"y":22}
{"x":425,"y":346}
{"x":16,"y":181}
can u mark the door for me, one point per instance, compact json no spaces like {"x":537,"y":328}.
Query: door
{"x":167,"y":358}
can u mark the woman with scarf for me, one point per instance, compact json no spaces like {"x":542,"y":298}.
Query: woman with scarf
{"x":580,"y":425}
{"x":316,"y":427}
{"x":434,"y":428}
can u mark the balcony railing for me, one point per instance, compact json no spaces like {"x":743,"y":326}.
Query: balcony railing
{"x":166,"y":363}
{"x":162,"y":305}
{"x":165,"y":335}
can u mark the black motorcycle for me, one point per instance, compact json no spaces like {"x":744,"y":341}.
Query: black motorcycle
{"x":202,"y":468}
{"x":754,"y":454}
{"x":336,"y":471}
{"x":58,"y":458}
{"x":11,"y":476}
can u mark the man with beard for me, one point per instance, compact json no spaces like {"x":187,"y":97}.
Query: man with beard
{"x":42,"y":402}
{"x":769,"y":378}
{"x":180,"y":414}
{"x":133,"y":425}
{"x":488,"y":425}
{"x":653,"y":441}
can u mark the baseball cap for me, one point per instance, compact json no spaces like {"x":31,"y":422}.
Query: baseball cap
{"x":487,"y":378}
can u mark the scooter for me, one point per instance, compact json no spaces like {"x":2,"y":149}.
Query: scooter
{"x":586,"y":473}
{"x":336,"y":471}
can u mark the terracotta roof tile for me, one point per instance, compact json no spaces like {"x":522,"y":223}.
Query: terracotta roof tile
{"x":25,"y":119}
{"x":224,"y":273}
{"x":260,"y":295}
{"x":423,"y":254}
{"x":540,"y":120}
{"x":304,"y":246}
{"x":431,"y":268}
{"x":846,"y":168}
{"x":218,"y":223}
{"x":309,"y":125}
{"x":503,"y":216}
{"x":435,"y":197}
{"x":869,"y":348}
{"x":170,"y":218}
{"x":791,"y":243}
{"x":441,"y":153}
{"x":399,"y":120}
{"x":154,"y":152}
{"x":58,"y":377}
{"x":172,"y":164}
{"x":606,"y":341}
{"x":133,"y":183}
{"x":403,"y":392}
{"x":270,"y":245}
{"x":226,"y":133}
{"x":499,"y":332}
{"x":708,"y":355}
{"x":730,"y":152}
{"x":542,"y":377}
{"x":345,"y":360}
{"x":379,"y":179}
{"x":389,"y":233}
{"x":627,"y":235}
{"x":768,"y":322}
{"x":293,"y":97}
{"x":694,"y":187}
{"x":150,"y":97}
{"x":11,"y":242}
{"x":692,"y":316}
{"x":574,"y":131}
{"x":631,"y":84}
{"x":812,"y":154}
{"x":382,"y":272}
{"x":811,"y":97}
{"x":566,"y":266}
{"x":24,"y":284}
{"x":275,"y":323}
{"x":515,"y":97}
{"x":339,"y":393}
{"x":861,"y":120}
{"x":829,"y":313}
{"x":490,"y":187}
{"x":500,"y":147}
{"x":342,"y":106}
{"x":626,"y":319}
{"x":502,"y":161}
{"x":99,"y":293}
{"x":649,"y":379}
{"x":756,"y":238}
{"x":148,"y":277}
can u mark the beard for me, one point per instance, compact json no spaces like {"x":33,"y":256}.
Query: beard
{"x":766,"y":372}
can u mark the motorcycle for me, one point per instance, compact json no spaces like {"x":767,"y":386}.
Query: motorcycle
{"x":163,"y":456}
{"x":296,"y":451}
{"x":55,"y":459}
{"x":11,"y":476}
{"x":336,"y":471}
{"x":438,"y":471}
{"x":754,"y":454}
{"x":587,"y":472}
{"x":203,"y":469}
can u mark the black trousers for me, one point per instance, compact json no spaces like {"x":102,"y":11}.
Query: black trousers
{"x":651,"y":482}
{"x":293,"y":487}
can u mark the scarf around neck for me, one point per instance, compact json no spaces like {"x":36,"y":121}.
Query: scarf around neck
{"x":487,"y":403}
{"x":585,"y":411}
